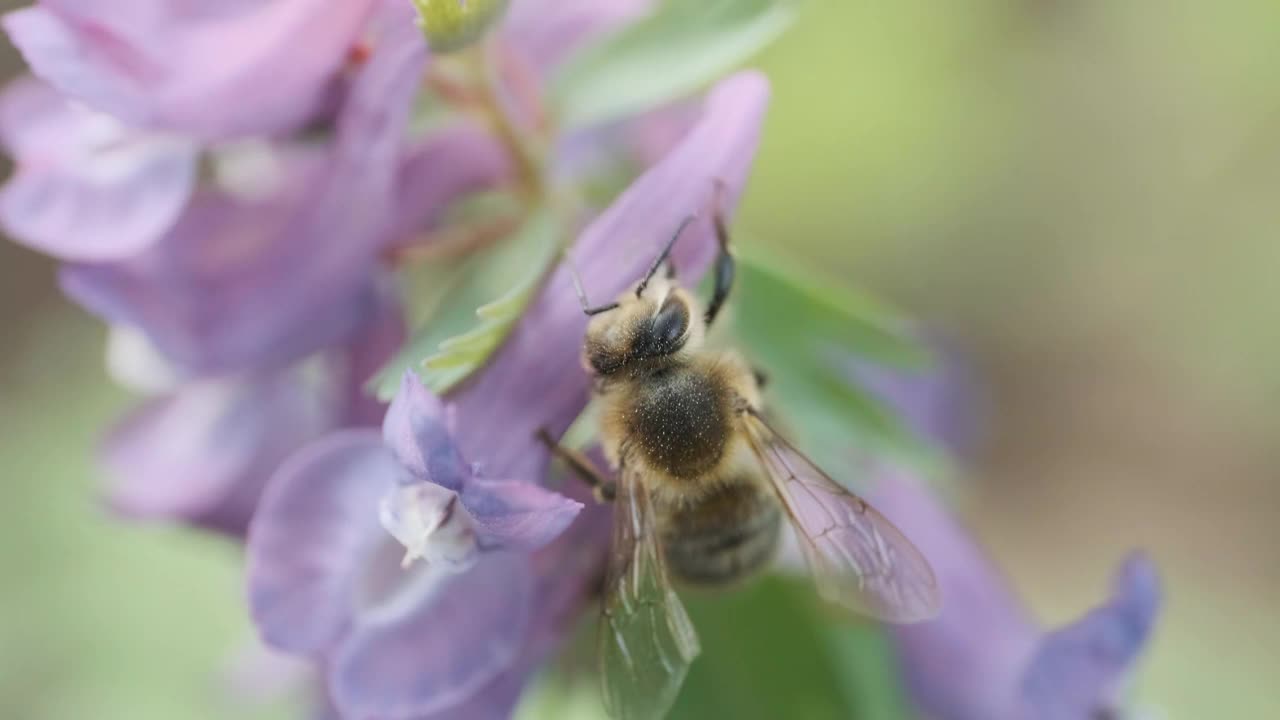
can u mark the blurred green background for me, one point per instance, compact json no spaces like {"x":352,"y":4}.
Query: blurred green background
{"x":1083,"y":193}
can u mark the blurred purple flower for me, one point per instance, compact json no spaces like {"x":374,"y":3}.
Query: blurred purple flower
{"x":322,"y":580}
{"x":542,"y":39}
{"x":983,"y":658}
{"x":437,"y":170}
{"x":243,"y":284}
{"x":195,"y":454}
{"x":203,"y":450}
{"x":940,"y":403}
{"x":84,"y":186}
{"x":206,"y":70}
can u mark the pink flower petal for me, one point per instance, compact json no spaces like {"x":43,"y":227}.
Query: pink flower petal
{"x":312,"y":538}
{"x":439,"y":647}
{"x":204,"y":453}
{"x":260,"y":283}
{"x":211,"y":71}
{"x":84,"y":187}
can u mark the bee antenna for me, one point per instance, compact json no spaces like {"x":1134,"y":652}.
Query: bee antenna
{"x":582,"y":293}
{"x":666,"y":253}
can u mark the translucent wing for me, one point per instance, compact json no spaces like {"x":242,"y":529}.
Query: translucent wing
{"x":646,"y":639}
{"x":859,"y":559}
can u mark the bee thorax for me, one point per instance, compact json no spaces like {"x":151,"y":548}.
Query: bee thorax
{"x":679,"y":422}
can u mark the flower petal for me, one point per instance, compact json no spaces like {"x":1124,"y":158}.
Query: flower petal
{"x":258,"y":283}
{"x":164,"y":65}
{"x":204,"y":453}
{"x":545,"y":34}
{"x":437,"y":648}
{"x":1078,"y":671}
{"x":517,"y":515}
{"x":444,"y":167}
{"x":567,"y":575}
{"x":416,"y":430}
{"x":527,"y":384}
{"x":310,"y":541}
{"x":216,"y":295}
{"x":375,"y":343}
{"x":965,"y":664}
{"x":940,"y":403}
{"x":84,"y":187}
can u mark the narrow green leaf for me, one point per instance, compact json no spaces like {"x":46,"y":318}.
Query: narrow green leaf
{"x":459,"y":323}
{"x":681,"y":47}
{"x":464,"y":353}
{"x":841,"y":314}
{"x":800,"y":332}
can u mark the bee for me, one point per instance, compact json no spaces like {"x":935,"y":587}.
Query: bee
{"x":703,"y":486}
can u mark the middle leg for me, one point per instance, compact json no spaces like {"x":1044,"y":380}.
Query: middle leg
{"x":601,"y":486}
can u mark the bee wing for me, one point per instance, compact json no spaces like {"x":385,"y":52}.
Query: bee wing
{"x":859,"y":560}
{"x":647,"y":641}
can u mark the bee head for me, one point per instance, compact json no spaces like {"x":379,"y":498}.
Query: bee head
{"x":654,"y":322}
{"x":649,"y":325}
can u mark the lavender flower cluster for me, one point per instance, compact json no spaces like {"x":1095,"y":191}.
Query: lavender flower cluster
{"x":236,"y":189}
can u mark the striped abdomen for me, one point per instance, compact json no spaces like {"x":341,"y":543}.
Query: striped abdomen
{"x":725,"y":537}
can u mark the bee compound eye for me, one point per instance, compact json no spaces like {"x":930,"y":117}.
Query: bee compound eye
{"x":666,"y":329}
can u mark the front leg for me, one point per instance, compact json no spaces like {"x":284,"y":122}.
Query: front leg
{"x":604,"y":489}
{"x":724,"y":267}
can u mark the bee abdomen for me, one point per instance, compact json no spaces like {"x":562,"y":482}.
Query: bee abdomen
{"x":729,"y":537}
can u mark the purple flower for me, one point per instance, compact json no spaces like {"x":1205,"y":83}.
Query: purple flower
{"x":202,"y":450}
{"x":251,"y":283}
{"x":940,"y":403}
{"x":544,"y":39}
{"x":316,"y":545}
{"x":461,"y":632}
{"x":983,"y":658}
{"x":195,"y":454}
{"x":84,"y":186}
{"x":207,"y":70}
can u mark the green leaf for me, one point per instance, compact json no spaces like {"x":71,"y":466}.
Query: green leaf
{"x":864,"y":658}
{"x":800,"y":331}
{"x":459,"y":322}
{"x":856,"y":320}
{"x":769,"y":652}
{"x":681,"y":47}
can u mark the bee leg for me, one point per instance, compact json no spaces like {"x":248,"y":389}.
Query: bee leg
{"x":602,"y":487}
{"x":724,"y":262}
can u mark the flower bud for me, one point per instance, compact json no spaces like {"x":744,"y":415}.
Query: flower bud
{"x":453,"y":24}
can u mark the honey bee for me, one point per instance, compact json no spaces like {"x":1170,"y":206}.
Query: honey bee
{"x":703,"y":483}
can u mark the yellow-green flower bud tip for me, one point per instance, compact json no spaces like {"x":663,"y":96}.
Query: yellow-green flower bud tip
{"x":454,"y":24}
